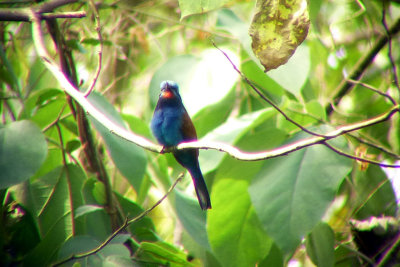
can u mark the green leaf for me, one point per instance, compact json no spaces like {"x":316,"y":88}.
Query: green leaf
{"x":142,"y":229}
{"x":254,"y":73}
{"x":190,"y":7}
{"x":72,"y":146}
{"x":208,"y":74}
{"x":229,"y":133}
{"x":130,"y":159}
{"x":76,"y":245}
{"x":49,"y":197}
{"x":163,"y":253}
{"x":375,"y":195}
{"x":192,"y":218}
{"x":298,"y":67}
{"x":185,"y":64}
{"x":86,"y":209}
{"x":315,"y":109}
{"x":235,"y":233}
{"x":227,"y":20}
{"x":320,"y":245}
{"x":213,"y":115}
{"x":137,"y":125}
{"x":48,"y":113}
{"x":298,"y":189}
{"x":115,"y":250}
{"x":97,"y":223}
{"x":117,"y":260}
{"x":274,"y":258}
{"x":277,"y":29}
{"x":75,"y":45}
{"x":20,"y":231}
{"x":23,"y":149}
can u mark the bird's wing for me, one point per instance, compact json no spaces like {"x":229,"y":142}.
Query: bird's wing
{"x":187,"y":128}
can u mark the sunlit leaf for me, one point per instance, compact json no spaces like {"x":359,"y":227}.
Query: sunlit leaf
{"x":277,"y":29}
{"x":198,"y":77}
{"x":235,"y":233}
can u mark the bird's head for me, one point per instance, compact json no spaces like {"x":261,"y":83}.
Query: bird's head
{"x":169,"y":90}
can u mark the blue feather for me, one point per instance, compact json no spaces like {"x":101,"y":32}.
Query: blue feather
{"x":172,"y":125}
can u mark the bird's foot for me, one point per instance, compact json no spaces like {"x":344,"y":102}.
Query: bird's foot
{"x":162,"y":150}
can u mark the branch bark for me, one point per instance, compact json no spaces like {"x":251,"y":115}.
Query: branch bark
{"x":147,"y":144}
{"x":22,"y":14}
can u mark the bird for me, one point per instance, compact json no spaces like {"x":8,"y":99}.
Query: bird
{"x":172,"y":125}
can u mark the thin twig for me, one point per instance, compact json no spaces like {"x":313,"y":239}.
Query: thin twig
{"x":264,"y":97}
{"x":340,"y":152}
{"x":100,"y":52}
{"x":391,"y":99}
{"x":385,"y":4}
{"x":120,"y":229}
{"x":358,"y":70}
{"x":64,"y":15}
{"x":358,"y":253}
{"x":22,"y":14}
{"x":361,"y":139}
{"x":389,"y":252}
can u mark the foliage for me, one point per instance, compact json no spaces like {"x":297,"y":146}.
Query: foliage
{"x":67,"y":182}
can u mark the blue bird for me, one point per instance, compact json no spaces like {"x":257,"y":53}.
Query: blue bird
{"x":172,"y":125}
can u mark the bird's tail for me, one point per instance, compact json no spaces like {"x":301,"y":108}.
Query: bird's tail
{"x":201,"y":188}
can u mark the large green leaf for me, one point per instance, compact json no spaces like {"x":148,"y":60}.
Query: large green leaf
{"x":292,"y":193}
{"x":23,"y":149}
{"x":130,"y":159}
{"x":50,"y":198}
{"x":235,"y":233}
{"x":277,"y":29}
{"x":203,"y":80}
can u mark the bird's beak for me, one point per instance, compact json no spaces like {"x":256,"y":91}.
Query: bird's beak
{"x":166,"y":92}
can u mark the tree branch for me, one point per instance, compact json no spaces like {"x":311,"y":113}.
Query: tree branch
{"x":147,"y":144}
{"x":122,"y":228}
{"x":22,"y":14}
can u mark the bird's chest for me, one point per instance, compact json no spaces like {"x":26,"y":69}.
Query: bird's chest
{"x":167,"y":126}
